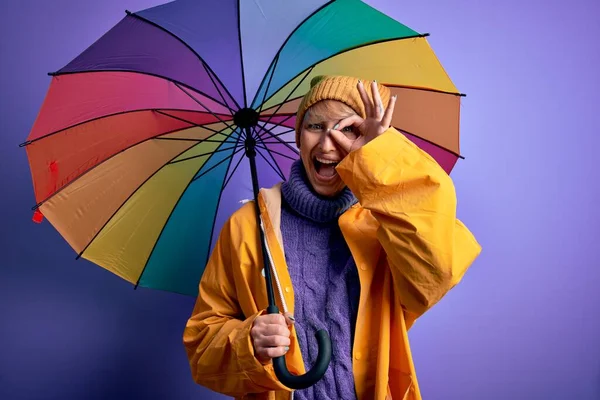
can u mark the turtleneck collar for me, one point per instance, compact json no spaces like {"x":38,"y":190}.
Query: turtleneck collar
{"x":301,"y":197}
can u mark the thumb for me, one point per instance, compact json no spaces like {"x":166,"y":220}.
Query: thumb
{"x":289,"y":319}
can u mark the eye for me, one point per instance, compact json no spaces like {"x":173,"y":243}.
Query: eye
{"x":315,"y":127}
{"x":350,"y":132}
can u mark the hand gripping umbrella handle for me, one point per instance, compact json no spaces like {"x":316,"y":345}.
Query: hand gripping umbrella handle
{"x":315,"y":373}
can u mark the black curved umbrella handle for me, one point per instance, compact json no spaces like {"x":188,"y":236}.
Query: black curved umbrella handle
{"x":315,"y":373}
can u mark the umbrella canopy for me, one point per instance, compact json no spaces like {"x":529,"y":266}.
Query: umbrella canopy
{"x":138,"y":152}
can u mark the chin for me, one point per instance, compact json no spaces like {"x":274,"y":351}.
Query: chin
{"x":328,"y":191}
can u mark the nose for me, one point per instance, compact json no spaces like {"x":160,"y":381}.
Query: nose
{"x":327,"y":143}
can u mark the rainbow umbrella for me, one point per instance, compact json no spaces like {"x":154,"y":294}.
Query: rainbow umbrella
{"x":149,"y":139}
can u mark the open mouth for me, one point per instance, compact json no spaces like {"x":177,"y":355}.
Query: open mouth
{"x":325,"y":168}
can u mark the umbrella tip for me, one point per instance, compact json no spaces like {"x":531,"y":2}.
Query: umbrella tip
{"x":38,"y":217}
{"x":78,"y":256}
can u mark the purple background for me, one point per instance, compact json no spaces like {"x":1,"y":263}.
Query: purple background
{"x":523,"y":324}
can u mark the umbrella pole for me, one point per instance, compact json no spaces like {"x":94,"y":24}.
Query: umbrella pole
{"x":324,"y":342}
{"x":250,"y":149}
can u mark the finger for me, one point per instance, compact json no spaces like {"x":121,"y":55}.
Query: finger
{"x":389,"y":112}
{"x":276,"y":330}
{"x":354,"y":119}
{"x":341,"y":140}
{"x":271,"y":352}
{"x":368,"y":104}
{"x":273,"y":341}
{"x":269,"y":319}
{"x":289,"y":318}
{"x":378,"y":104}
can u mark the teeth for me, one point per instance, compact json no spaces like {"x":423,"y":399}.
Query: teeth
{"x":323,"y":161}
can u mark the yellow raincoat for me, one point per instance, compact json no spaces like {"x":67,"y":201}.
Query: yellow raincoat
{"x":410,"y":250}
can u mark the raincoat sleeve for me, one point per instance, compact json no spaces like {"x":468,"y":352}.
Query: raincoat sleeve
{"x":414,"y":202}
{"x":217,"y":335}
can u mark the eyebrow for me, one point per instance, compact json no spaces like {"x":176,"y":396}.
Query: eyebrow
{"x":318,"y":121}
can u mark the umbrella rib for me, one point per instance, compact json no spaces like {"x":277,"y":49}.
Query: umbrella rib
{"x":27,"y":143}
{"x":410,"y":133}
{"x":271,"y":135}
{"x":202,"y":155}
{"x":195,"y":124}
{"x":276,"y":135}
{"x":234,"y":169}
{"x":398,"y":128}
{"x":188,"y":46}
{"x":127,"y":199}
{"x":391,"y":85}
{"x":212,"y":231}
{"x":269,"y":132}
{"x":207,"y":126}
{"x":276,"y":152}
{"x":218,"y":90}
{"x":238,"y":149}
{"x":278,"y":169}
{"x":38,"y":205}
{"x":432,"y":143}
{"x":426,"y":89}
{"x":171,"y":214}
{"x":372,"y":43}
{"x":287,"y":40}
{"x":194,"y":140}
{"x":281,"y":123}
{"x":200,"y":103}
{"x":174,"y":81}
{"x":286,"y":99}
{"x":269,"y":83}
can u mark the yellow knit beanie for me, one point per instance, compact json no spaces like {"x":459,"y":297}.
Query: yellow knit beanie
{"x":341,"y":88}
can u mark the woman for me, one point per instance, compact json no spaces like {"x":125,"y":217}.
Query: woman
{"x":364,"y":239}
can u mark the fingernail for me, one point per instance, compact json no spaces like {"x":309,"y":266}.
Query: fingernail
{"x":359,"y":81}
{"x":336,"y":126}
{"x":375,"y":81}
{"x":287,"y":348}
{"x":394,"y":97}
{"x":291,"y":317}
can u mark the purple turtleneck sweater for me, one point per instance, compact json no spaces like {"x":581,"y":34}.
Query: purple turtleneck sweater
{"x":325,"y":280}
